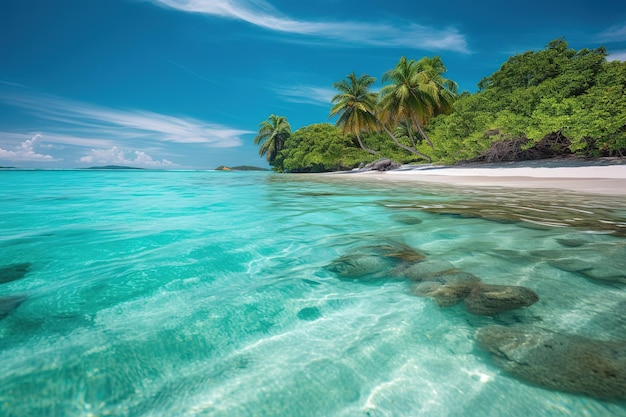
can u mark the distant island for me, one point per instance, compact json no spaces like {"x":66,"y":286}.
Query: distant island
{"x":113,"y":167}
{"x":240,"y":168}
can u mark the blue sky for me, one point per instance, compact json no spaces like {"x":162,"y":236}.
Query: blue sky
{"x":183,"y":84}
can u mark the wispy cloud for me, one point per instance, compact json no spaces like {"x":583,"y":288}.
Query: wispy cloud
{"x":115,"y":156}
{"x":262,"y":14}
{"x":12,"y":84}
{"x":617,"y":56}
{"x":77,"y":120}
{"x":307,"y":94}
{"x":26,"y":152}
{"x":613,"y":34}
{"x":64,"y":139}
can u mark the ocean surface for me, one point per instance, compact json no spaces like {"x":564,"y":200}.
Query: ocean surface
{"x":154,"y":293}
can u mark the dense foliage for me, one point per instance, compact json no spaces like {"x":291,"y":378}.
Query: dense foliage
{"x":575,"y":97}
{"x":356,"y":107}
{"x":318,"y":148}
{"x":539,"y":104}
{"x":272,"y":135}
{"x":323,"y":147}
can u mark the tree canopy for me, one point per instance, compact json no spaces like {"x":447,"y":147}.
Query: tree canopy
{"x":356,"y":107}
{"x":576,"y":96}
{"x":272,"y":135}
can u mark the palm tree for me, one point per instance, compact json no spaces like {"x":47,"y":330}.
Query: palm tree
{"x":442,"y":91}
{"x":356,"y":106}
{"x":417,"y":91}
{"x":272,"y":133}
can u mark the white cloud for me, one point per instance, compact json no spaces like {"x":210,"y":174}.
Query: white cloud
{"x":53,"y":139}
{"x":81,"y":124}
{"x":307,"y":94}
{"x":617,"y":56}
{"x":26,"y":152}
{"x":262,"y":14}
{"x":613,"y":34}
{"x":116,"y":156}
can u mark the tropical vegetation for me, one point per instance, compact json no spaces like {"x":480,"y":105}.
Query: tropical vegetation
{"x":553,"y":102}
{"x":356,"y":107}
{"x":272,"y":135}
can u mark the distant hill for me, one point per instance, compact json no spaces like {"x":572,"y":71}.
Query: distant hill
{"x":240,"y":168}
{"x":113,"y":167}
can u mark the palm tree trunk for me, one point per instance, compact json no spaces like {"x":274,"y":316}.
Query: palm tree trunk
{"x":424,"y":135}
{"x":403,"y":146}
{"x":365,"y":148}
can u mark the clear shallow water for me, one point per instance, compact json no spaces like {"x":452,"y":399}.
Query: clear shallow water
{"x":206,"y":294}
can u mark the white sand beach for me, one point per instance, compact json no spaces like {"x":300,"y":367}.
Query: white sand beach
{"x":594,"y":178}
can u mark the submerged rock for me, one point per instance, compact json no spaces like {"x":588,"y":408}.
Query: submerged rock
{"x":439,"y":280}
{"x":9,"y":304}
{"x":374,"y":262}
{"x":537,"y":212}
{"x":13,"y":272}
{"x":360,"y":267}
{"x":309,"y":314}
{"x":571,"y":243}
{"x":406,"y":219}
{"x":448,"y":286}
{"x":604,"y":262}
{"x":482,"y":299}
{"x":399,"y":251}
{"x":487,"y":300}
{"x":428,"y":270}
{"x":446,"y":295}
{"x":559,"y":361}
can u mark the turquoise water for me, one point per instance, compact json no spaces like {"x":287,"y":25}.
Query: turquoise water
{"x":208,"y":294}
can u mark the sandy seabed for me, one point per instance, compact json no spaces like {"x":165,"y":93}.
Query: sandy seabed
{"x":597,"y":179}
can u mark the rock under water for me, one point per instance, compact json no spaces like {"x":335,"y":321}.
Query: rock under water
{"x":480,"y":298}
{"x":437,"y":279}
{"x":487,"y":300}
{"x":10,"y":303}
{"x":360,"y":267}
{"x":309,"y":314}
{"x":375,"y":262}
{"x":13,"y":272}
{"x":563,"y":362}
{"x":601,"y":262}
{"x":448,"y":286}
{"x":446,"y":295}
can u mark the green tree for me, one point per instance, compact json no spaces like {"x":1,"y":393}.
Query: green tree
{"x":272,"y":135}
{"x":441,"y":91}
{"x":355,"y":105}
{"x":557,"y":93}
{"x":402,"y":99}
{"x":320,"y":147}
{"x":405,"y":130}
{"x":416,"y":92}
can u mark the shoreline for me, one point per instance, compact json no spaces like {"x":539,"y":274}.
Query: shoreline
{"x":592,"y":179}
